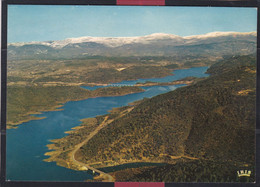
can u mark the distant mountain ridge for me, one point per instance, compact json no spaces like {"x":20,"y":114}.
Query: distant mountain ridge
{"x":158,"y":44}
{"x":119,"y":41}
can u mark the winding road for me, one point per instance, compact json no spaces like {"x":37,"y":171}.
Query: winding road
{"x":106,"y":176}
{"x":105,"y":122}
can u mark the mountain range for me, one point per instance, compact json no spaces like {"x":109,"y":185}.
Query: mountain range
{"x":158,"y":44}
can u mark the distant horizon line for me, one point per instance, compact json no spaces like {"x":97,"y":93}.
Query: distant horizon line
{"x":156,"y":33}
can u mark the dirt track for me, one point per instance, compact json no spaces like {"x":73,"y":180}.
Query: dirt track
{"x":104,"y":176}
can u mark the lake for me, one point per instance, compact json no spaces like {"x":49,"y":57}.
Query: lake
{"x":26,"y":145}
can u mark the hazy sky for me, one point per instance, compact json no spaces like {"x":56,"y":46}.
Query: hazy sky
{"x":43,"y":23}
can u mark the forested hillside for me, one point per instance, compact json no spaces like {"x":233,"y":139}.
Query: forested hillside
{"x":187,"y":171}
{"x":213,"y":119}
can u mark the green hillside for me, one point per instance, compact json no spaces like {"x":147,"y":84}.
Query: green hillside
{"x":213,"y":119}
{"x":187,"y":171}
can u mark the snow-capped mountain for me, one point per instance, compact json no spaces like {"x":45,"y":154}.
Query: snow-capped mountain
{"x":149,"y":45}
{"x":213,"y":36}
{"x":108,"y":41}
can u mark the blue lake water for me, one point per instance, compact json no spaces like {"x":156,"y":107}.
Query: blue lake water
{"x":177,"y":75}
{"x":27,"y":144}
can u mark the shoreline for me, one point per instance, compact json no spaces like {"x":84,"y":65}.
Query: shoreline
{"x":69,"y":155}
{"x":55,"y":152}
{"x":14,"y":125}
